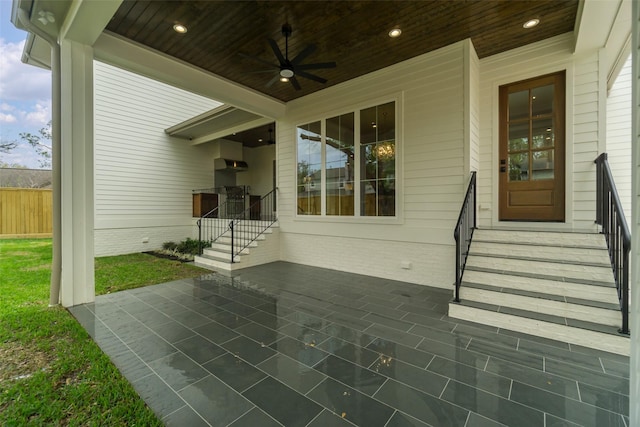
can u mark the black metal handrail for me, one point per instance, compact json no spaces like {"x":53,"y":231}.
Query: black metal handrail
{"x":610,"y":216}
{"x":463,"y":233}
{"x":217,"y":223}
{"x":261,"y":215}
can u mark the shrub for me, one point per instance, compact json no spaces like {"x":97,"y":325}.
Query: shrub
{"x":169,"y":245}
{"x":188,"y":246}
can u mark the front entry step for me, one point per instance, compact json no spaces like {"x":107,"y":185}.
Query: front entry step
{"x":553,"y":285}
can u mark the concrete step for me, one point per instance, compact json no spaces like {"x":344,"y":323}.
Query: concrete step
{"x":583,"y":256}
{"x":571,"y":331}
{"x":221,"y":254}
{"x":552,"y":305}
{"x":215,"y":263}
{"x":598,"y":293}
{"x":227,"y":240}
{"x":226,"y":247}
{"x":542,"y":269}
{"x":544,"y":238}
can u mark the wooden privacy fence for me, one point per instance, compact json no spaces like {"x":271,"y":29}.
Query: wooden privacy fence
{"x":25,"y":212}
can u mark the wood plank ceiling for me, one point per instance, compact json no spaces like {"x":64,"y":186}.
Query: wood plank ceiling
{"x":354,"y":34}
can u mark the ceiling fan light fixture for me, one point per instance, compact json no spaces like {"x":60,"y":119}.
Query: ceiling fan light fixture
{"x":286,"y":73}
{"x":395,"y":32}
{"x":179,"y":28}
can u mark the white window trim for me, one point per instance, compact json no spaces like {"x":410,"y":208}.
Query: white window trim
{"x":398,"y":218}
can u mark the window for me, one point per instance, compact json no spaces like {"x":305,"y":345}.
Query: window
{"x":309,"y":143}
{"x":378,"y":160}
{"x":347,"y":164}
{"x":339,"y":162}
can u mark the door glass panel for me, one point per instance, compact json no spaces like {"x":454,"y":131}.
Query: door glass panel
{"x":542,"y":133}
{"x":542,"y":165}
{"x":519,"y":166}
{"x":519,"y":105}
{"x":519,"y":136}
{"x":542,"y":100}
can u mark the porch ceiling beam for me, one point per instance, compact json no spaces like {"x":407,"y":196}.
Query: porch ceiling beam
{"x":86,"y":20}
{"x":598,"y":21}
{"x":136,"y":58}
{"x":236,"y":129}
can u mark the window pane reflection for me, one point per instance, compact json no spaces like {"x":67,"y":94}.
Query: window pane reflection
{"x":519,"y":167}
{"x":542,"y":133}
{"x":377,"y":160}
{"x":309,"y":168}
{"x":542,"y":100}
{"x":518,"y":136}
{"x":339,"y":160}
{"x":543,"y":164}
{"x":519,"y":105}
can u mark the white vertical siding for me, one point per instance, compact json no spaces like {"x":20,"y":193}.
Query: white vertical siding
{"x":430,"y":93}
{"x":143,"y":177}
{"x":473,"y":105}
{"x":619,"y":135}
{"x":583,"y":131}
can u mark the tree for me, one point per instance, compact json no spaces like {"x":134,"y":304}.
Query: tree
{"x":5,"y":147}
{"x":41,"y":142}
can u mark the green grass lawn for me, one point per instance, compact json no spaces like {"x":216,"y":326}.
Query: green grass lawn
{"x":51,"y":372}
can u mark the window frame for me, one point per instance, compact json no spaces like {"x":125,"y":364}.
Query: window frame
{"x":357,"y":217}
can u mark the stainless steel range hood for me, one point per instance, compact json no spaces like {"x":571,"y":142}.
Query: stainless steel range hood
{"x":230,"y":165}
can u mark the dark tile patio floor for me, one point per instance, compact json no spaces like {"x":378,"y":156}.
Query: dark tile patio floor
{"x":292,"y":345}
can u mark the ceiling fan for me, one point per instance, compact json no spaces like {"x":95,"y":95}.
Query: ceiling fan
{"x":290,"y":69}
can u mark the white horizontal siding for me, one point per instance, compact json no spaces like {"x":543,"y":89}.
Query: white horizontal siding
{"x":619,"y":135}
{"x":583,"y":132}
{"x":431,"y":158}
{"x":143,"y":177}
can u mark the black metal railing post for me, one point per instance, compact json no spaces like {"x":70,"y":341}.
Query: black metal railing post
{"x":232,"y":238}
{"x":610,"y":217}
{"x":463,"y":232}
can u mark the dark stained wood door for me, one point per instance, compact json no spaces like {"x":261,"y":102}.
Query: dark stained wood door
{"x":532,"y":148}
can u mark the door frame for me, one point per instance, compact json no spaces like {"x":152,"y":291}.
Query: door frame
{"x":492,"y":216}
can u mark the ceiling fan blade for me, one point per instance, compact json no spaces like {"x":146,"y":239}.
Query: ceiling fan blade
{"x":276,"y":51}
{"x":302,"y":55}
{"x":255,"y":58}
{"x":273,"y":80}
{"x":317,"y":66}
{"x":311,"y":76}
{"x":294,"y":83}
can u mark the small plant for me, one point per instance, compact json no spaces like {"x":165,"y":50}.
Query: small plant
{"x":169,"y":246}
{"x":188,"y":246}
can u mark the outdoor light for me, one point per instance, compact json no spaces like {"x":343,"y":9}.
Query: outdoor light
{"x":395,"y":32}
{"x":284,"y":79}
{"x":179,"y":28}
{"x":531,"y":23}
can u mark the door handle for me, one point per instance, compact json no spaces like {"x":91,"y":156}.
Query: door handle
{"x":502,"y":167}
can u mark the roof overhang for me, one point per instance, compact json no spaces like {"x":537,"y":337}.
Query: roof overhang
{"x":215,"y":124}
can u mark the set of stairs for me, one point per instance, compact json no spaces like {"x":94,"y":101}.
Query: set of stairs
{"x":260,"y":249}
{"x":553,"y":285}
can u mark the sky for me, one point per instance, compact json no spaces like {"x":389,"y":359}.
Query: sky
{"x":25,"y":92}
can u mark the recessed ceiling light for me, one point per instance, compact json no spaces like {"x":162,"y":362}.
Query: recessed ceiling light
{"x":179,"y":28}
{"x":531,"y":23}
{"x":284,"y":79}
{"x":395,"y":32}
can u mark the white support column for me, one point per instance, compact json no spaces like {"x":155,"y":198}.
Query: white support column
{"x":78,"y":284}
{"x":634,"y":324}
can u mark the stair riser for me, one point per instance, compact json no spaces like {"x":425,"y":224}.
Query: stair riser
{"x":554,"y":308}
{"x":577,"y":336}
{"x":571,"y":271}
{"x":221,"y":247}
{"x":541,"y":238}
{"x":221,"y":254}
{"x":573,"y":290}
{"x":553,"y":254}
{"x":227,"y":240}
{"x":216,"y":265}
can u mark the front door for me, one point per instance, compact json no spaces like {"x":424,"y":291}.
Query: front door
{"x":532,"y":129}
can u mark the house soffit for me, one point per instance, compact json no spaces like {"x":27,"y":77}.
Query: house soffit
{"x":230,"y":38}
